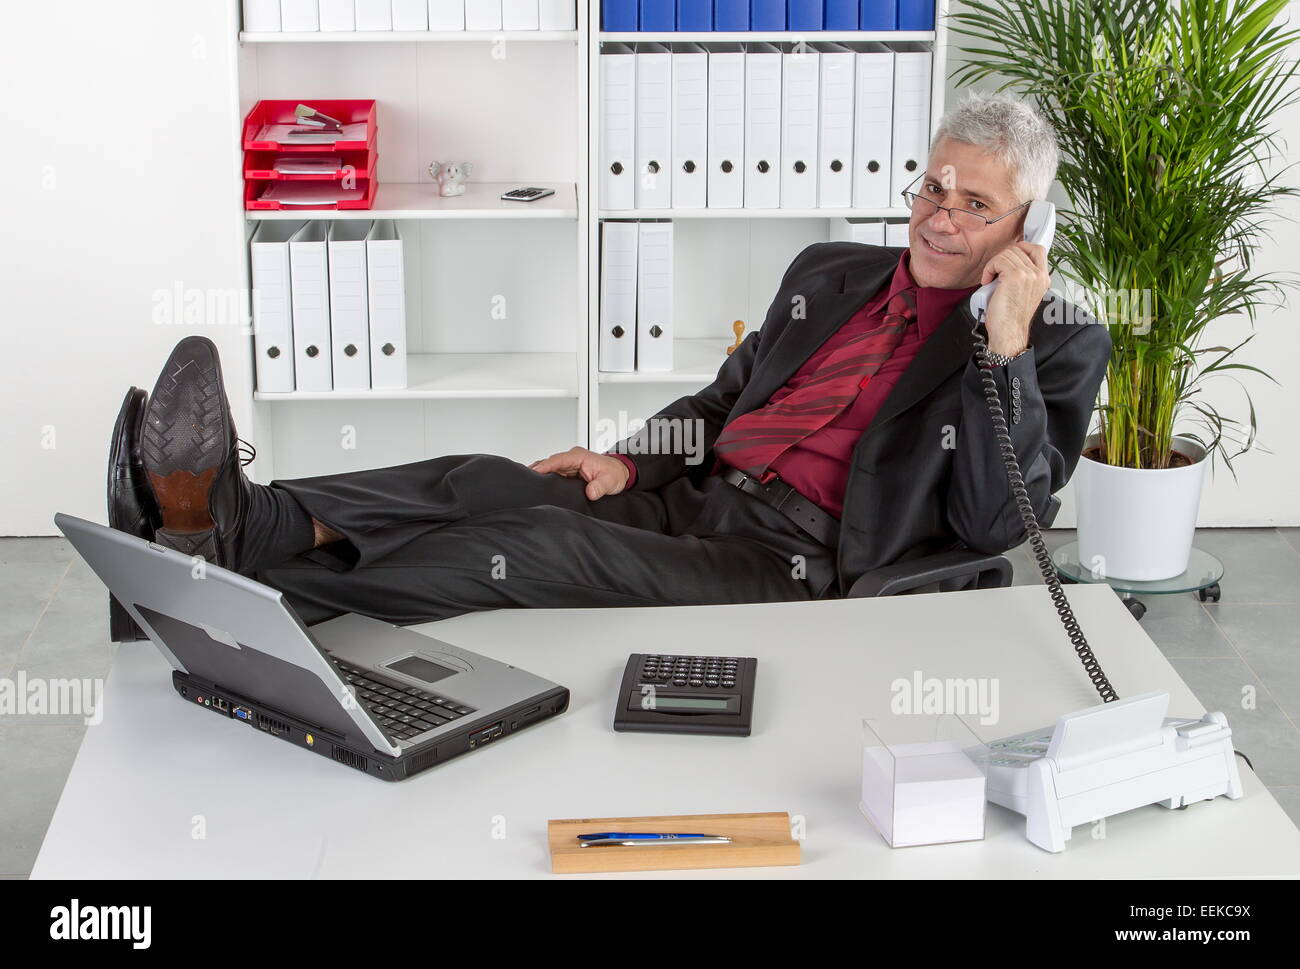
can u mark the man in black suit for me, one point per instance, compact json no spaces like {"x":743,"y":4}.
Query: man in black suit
{"x":849,"y":432}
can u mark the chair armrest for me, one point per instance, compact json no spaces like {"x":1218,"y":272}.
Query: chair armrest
{"x":1049,"y":516}
{"x":955,"y":569}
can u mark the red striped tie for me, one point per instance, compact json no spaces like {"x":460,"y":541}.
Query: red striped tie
{"x":753,"y":441}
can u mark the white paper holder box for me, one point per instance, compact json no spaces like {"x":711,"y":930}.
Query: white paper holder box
{"x":919,"y":786}
{"x":866,"y":231}
{"x":410,"y":15}
{"x":272,"y":309}
{"x":349,"y":304}
{"x":374,"y":14}
{"x":482,"y":14}
{"x":446,"y":14}
{"x":299,"y":15}
{"x":897,"y":233}
{"x":557,"y":14}
{"x":386,"y":291}
{"x":519,"y":14}
{"x":262,"y":16}
{"x":337,"y":15}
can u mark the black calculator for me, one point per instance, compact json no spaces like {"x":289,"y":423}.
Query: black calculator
{"x":667,"y":693}
{"x":526,"y":194}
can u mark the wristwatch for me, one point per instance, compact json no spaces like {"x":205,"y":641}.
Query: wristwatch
{"x":1001,"y":359}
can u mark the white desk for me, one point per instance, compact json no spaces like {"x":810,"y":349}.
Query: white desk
{"x":145,"y":776}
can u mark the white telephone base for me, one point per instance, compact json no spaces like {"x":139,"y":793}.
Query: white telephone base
{"x":1106,"y":760}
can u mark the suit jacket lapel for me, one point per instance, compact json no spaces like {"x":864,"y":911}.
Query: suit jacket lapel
{"x":825,"y":312}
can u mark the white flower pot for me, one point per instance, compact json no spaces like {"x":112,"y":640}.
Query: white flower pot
{"x":1138,"y":524}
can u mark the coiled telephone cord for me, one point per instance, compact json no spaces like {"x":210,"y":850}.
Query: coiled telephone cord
{"x":1026,"y":508}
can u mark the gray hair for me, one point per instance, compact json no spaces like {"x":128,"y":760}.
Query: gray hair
{"x":1013,"y":131}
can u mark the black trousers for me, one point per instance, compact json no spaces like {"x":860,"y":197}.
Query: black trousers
{"x":455,"y":534}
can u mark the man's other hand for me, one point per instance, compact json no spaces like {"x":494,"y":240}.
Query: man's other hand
{"x":604,"y":474}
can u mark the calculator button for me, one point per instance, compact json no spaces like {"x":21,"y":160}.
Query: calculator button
{"x":679,"y":682}
{"x":728,"y":684}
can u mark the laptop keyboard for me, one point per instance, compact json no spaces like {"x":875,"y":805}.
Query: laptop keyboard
{"x":402,"y":712}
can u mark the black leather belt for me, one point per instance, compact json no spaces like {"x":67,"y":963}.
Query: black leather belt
{"x":809,"y":516}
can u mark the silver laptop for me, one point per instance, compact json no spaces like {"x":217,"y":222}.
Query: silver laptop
{"x":379,"y":698}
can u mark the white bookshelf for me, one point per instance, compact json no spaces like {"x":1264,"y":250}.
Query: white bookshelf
{"x":467,"y":376}
{"x":695,"y":361}
{"x":707,"y":213}
{"x":523,"y":107}
{"x":496,"y":291}
{"x":727,"y":262}
{"x":409,"y":36}
{"x":415,"y":200}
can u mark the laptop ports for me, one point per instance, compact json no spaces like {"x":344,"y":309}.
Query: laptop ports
{"x":220,"y":703}
{"x":485,"y":734}
{"x":243,"y":713}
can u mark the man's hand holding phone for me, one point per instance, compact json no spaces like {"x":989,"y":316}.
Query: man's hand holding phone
{"x":1023,"y":281}
{"x":604,"y":474}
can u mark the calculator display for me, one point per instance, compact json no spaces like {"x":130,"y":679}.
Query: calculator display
{"x":690,"y":703}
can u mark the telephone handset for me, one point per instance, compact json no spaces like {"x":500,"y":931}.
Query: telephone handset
{"x":1040,"y":228}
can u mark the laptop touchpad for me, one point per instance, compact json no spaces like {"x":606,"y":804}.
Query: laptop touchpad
{"x":421,"y":669}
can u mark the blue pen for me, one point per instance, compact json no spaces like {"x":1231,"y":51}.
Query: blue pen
{"x":644,"y":838}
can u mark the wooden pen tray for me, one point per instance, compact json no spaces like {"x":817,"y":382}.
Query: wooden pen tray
{"x":758,"y":840}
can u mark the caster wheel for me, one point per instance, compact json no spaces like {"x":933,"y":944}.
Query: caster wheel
{"x":1136,"y":608}
{"x":1210,"y":593}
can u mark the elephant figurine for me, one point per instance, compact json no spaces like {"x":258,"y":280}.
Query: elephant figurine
{"x":450,"y":177}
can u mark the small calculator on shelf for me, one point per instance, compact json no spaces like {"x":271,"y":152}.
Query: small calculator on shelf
{"x":526,"y":194}
{"x":667,"y":693}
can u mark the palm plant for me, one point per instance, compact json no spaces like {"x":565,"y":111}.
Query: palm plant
{"x":1163,"y":112}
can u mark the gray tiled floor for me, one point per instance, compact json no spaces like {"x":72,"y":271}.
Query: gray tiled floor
{"x":1241,"y":655}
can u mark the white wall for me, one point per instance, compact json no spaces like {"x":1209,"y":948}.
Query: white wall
{"x":123,"y":182}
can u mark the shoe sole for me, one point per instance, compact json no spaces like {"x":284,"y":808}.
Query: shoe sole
{"x":185,"y":441}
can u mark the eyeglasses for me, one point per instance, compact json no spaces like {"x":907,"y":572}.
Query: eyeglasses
{"x":964,"y":219}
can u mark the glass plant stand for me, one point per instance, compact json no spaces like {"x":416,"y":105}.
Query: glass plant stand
{"x":1202,"y":577}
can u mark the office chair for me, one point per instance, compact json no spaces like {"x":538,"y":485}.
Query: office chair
{"x":949,"y":571}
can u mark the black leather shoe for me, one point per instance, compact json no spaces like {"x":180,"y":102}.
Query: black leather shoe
{"x":131,"y":507}
{"x":192,"y":459}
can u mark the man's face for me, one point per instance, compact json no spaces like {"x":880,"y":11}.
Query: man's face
{"x":962,"y":176}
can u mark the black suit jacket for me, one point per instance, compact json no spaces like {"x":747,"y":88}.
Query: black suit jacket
{"x":926,"y":474}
